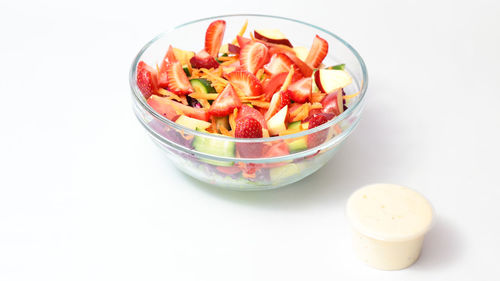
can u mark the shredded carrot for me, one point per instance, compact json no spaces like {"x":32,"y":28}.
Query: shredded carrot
{"x":197,"y":95}
{"x":316,"y":105}
{"x":229,"y":61}
{"x":305,"y":126}
{"x":265,"y":133}
{"x":183,"y":100}
{"x":224,"y":131}
{"x":348,"y":97}
{"x":317,"y":97}
{"x":170,"y":95}
{"x":263,"y":104}
{"x":242,"y":31}
{"x":232,"y":122}
{"x":251,"y":35}
{"x":228,"y":58}
{"x":288,"y":79}
{"x":214,"y":125}
{"x":302,"y":113}
{"x":251,"y":97}
{"x":235,"y":112}
{"x":204,"y":103}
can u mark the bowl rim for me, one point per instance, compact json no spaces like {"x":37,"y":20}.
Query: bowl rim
{"x":138,"y":96}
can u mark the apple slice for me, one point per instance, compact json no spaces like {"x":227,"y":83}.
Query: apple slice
{"x":192,"y":123}
{"x":330,"y":80}
{"x":273,"y":106}
{"x":276,"y":124}
{"x":272,"y":36}
{"x":301,"y":52}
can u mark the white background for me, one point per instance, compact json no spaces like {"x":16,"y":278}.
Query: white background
{"x":84,"y":195}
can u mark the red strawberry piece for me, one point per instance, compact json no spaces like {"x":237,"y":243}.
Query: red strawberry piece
{"x":273,"y":84}
{"x":170,"y":56}
{"x":304,"y":68}
{"x":169,"y":108}
{"x":242,"y":41}
{"x":160,"y":106}
{"x":225,"y":102}
{"x":233,"y":49}
{"x":317,"y":53}
{"x":247,"y":111}
{"x":248,"y":127}
{"x":177,"y":79}
{"x":162,"y":71}
{"x":300,"y":91}
{"x":203,"y":60}
{"x":279,"y":63}
{"x":253,"y":56}
{"x":275,"y":150}
{"x":246,"y":82}
{"x":214,"y":36}
{"x":231,"y":170}
{"x":318,"y":137}
{"x":146,"y":79}
{"x":278,"y":101}
{"x":284,"y":99}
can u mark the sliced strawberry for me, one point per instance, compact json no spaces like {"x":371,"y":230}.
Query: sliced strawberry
{"x":146,"y":79}
{"x":284,"y":99}
{"x":248,"y":127}
{"x":233,"y":49}
{"x":247,"y":111}
{"x":225,"y":102}
{"x":253,"y":56}
{"x":317,"y":53}
{"x":246,"y":82}
{"x":279,"y":63}
{"x":231,"y":170}
{"x":242,"y":41}
{"x":164,"y":106}
{"x":277,"y":149}
{"x":273,"y":84}
{"x":162,"y":71}
{"x":301,"y":90}
{"x":214,"y":36}
{"x":278,"y":101}
{"x":304,"y":68}
{"x":177,"y":79}
{"x":318,"y":137}
{"x":203,"y":60}
{"x":170,"y":56}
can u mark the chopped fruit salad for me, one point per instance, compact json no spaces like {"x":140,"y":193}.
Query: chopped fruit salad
{"x":250,"y":87}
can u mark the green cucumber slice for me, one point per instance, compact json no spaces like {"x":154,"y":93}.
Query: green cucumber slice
{"x":202,"y":85}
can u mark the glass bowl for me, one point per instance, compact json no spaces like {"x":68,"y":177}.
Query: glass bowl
{"x":232,"y":171}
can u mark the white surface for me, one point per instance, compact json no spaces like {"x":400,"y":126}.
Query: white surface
{"x":84,"y":195}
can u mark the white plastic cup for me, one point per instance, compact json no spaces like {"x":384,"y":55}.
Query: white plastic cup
{"x":388,"y":223}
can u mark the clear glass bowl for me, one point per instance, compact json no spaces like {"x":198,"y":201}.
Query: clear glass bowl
{"x":250,"y":173}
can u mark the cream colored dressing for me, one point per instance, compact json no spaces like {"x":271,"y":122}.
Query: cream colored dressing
{"x":389,"y":223}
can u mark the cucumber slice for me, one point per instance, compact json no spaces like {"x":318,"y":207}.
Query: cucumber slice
{"x":283,"y":172}
{"x":298,"y":145}
{"x":337,"y":67}
{"x":186,"y":70}
{"x":202,"y":85}
{"x":294,"y":125}
{"x":215,"y":147}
